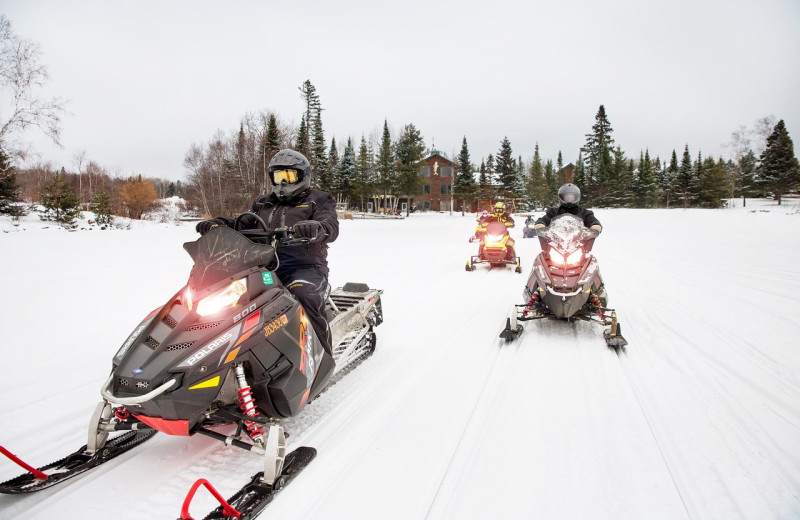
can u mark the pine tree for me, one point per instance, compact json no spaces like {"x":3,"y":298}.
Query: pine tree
{"x":101,"y":206}
{"x":711,"y":184}
{"x":319,"y":156}
{"x":464,"y":188}
{"x":684,"y":178}
{"x":410,"y":152}
{"x":536,"y":186}
{"x":268,"y":146}
{"x":747,"y":170}
{"x":620,"y":187}
{"x":668,"y":180}
{"x":9,"y":189}
{"x":561,"y":174}
{"x":778,"y":170}
{"x":519,"y":178}
{"x":60,"y":202}
{"x":365,"y":173}
{"x":302,"y":144}
{"x":597,"y":158}
{"x":490,"y":169}
{"x":550,"y":179}
{"x":333,"y":162}
{"x":506,"y":172}
{"x":386,"y":166}
{"x":313,"y":109}
{"x":694,"y":182}
{"x":346,"y":173}
{"x":646,"y":187}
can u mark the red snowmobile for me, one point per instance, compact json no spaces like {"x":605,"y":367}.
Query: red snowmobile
{"x":496,"y":249}
{"x":565,"y":283}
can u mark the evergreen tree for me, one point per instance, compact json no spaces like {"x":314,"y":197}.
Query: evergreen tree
{"x":506,"y":172}
{"x":346,"y":173}
{"x":711,"y":185}
{"x":694,"y":182}
{"x":365,"y":173}
{"x":536,"y":186}
{"x":60,"y":202}
{"x":684,"y":178}
{"x":646,"y":187}
{"x":778,"y":169}
{"x":490,"y":169}
{"x":519,"y":178}
{"x":748,"y":186}
{"x":101,"y":206}
{"x":302,"y":145}
{"x":561,"y":175}
{"x":668,"y":179}
{"x":464,"y":188}
{"x":550,"y":179}
{"x":9,"y":189}
{"x":319,"y":156}
{"x":483,"y":176}
{"x":410,"y":152}
{"x":386,"y":166}
{"x":333,"y":162}
{"x":597,"y":158}
{"x":620,"y":186}
{"x":313,"y":109}
{"x":268,"y":146}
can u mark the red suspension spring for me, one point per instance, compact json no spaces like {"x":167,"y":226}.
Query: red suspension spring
{"x":121,"y":413}
{"x":598,"y":308}
{"x":248,"y":406}
{"x":529,"y":306}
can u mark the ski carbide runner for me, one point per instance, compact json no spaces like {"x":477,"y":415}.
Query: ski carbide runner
{"x":254,"y":496}
{"x":76,"y":463}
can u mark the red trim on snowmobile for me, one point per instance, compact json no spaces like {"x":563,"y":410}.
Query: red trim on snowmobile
{"x":179,"y":427}
{"x":36,"y":473}
{"x":227,"y":509}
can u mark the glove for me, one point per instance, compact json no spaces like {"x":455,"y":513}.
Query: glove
{"x":539,"y":227}
{"x":597,"y":227}
{"x":310,"y":229}
{"x":207,"y":225}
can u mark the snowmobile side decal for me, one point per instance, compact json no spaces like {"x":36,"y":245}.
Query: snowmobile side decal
{"x":275,"y":325}
{"x":208,"y":349}
{"x":170,"y":427}
{"x":267,"y":278}
{"x":208,"y":383}
{"x":232,"y":356}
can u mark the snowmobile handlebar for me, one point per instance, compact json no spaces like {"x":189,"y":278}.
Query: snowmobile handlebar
{"x":279,"y":237}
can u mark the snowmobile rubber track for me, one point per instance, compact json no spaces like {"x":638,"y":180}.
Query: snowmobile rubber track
{"x":254,"y":496}
{"x":76,"y":463}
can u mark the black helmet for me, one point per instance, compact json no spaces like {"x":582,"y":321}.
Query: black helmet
{"x":290,"y":187}
{"x":569,"y":195}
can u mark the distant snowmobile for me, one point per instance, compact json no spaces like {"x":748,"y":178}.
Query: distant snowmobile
{"x":565,"y":283}
{"x":232,"y":346}
{"x":496,"y":249}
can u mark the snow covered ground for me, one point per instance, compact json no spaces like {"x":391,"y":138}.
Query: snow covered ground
{"x":699,"y":419}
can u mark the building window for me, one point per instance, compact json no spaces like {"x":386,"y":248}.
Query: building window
{"x":446,"y":171}
{"x":446,"y":189}
{"x":427,"y":189}
{"x":425,"y":171}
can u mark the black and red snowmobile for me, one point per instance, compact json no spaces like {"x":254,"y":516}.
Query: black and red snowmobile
{"x":232,"y":346}
{"x":565,"y":283}
{"x":496,"y":249}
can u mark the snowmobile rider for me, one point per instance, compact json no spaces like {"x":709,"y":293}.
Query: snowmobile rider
{"x":568,"y":196}
{"x":303,"y":268}
{"x":498,"y":214}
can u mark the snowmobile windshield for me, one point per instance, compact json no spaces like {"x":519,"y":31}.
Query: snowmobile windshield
{"x":223,"y":253}
{"x":567,"y":233}
{"x":496,"y":228}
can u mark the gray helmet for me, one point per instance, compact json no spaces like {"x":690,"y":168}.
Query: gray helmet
{"x":569,"y":195}
{"x":290,"y":160}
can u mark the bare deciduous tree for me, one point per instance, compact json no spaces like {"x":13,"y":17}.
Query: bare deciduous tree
{"x":21,"y":74}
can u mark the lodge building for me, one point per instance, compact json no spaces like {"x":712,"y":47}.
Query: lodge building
{"x":437,"y":173}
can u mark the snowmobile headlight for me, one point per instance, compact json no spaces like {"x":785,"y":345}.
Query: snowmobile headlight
{"x":575,"y":257}
{"x":556,"y":257}
{"x":225,"y":298}
{"x":494,"y":239}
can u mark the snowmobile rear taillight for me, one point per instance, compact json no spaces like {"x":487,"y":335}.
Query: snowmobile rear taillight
{"x":225,"y":298}
{"x":573,"y":258}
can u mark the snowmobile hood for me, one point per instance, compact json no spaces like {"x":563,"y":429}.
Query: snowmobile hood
{"x":567,"y":233}
{"x":222,"y":253}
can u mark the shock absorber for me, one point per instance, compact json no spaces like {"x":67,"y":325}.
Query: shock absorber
{"x":248,"y":405}
{"x":529,"y":306}
{"x":598,"y":308}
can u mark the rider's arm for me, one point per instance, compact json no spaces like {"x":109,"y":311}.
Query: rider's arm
{"x":325,"y":214}
{"x":548,"y":215}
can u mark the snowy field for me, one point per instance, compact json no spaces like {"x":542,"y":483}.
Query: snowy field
{"x":700,"y":419}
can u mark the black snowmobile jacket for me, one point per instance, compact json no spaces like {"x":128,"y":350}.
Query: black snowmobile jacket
{"x":313,"y":205}
{"x":587,"y":215}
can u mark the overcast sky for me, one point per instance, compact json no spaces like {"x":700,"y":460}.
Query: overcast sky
{"x":145,"y":79}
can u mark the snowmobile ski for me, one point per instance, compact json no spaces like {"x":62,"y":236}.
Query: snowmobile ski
{"x":75,"y":463}
{"x":254,"y":496}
